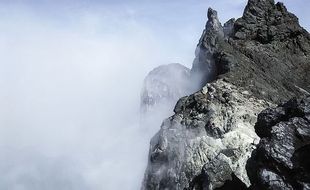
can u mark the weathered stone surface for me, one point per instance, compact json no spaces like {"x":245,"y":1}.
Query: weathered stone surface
{"x":229,"y":27}
{"x":267,"y":52}
{"x":217,"y":172}
{"x":204,"y":67}
{"x":274,"y":59}
{"x":233,"y":184}
{"x":282,"y":158}
{"x":214,"y":125}
{"x":249,"y":64}
{"x":265,"y":21}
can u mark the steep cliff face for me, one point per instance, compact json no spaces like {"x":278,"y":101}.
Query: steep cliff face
{"x":243,"y":67}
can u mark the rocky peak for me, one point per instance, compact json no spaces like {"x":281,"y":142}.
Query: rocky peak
{"x":212,"y":14}
{"x":265,"y":21}
{"x":259,"y":7}
{"x":265,"y":51}
{"x":203,"y":69}
{"x":260,"y":59}
{"x":213,"y":31}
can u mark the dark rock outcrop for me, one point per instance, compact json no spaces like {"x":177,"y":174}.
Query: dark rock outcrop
{"x":282,"y":158}
{"x":241,"y":68}
{"x":265,"y":51}
{"x":275,"y":49}
{"x":217,"y":175}
{"x":204,"y":66}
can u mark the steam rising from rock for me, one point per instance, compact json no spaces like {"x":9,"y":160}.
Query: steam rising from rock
{"x":162,"y":88}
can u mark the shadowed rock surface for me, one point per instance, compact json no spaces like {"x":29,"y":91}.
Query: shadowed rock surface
{"x":243,"y":67}
{"x":282,"y":158}
{"x":265,"y":51}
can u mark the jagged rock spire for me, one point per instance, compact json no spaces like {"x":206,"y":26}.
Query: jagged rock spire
{"x":212,"y":32}
{"x":203,"y":69}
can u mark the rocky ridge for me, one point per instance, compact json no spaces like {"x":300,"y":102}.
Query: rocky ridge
{"x":243,"y":67}
{"x":265,"y":51}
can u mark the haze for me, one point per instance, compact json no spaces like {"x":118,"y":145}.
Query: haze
{"x":70,"y":79}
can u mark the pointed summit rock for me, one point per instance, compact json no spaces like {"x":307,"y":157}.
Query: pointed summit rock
{"x":213,"y":31}
{"x":203,"y":69}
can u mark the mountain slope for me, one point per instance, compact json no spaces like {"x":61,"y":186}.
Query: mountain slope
{"x":265,"y":51}
{"x":243,"y":67}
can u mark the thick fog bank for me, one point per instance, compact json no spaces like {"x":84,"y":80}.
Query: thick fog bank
{"x":70,"y":82}
{"x":69,"y":114}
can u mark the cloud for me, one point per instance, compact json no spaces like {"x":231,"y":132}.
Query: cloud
{"x":70,"y":79}
{"x":70,"y":103}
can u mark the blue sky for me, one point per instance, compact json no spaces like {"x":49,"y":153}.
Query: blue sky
{"x":172,"y":21}
{"x":71,"y":72}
